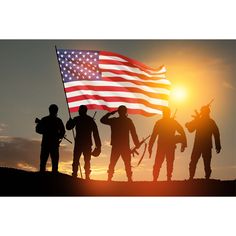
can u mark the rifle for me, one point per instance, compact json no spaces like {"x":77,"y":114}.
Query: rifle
{"x":173,"y":117}
{"x":37,"y":120}
{"x":94,"y":115}
{"x":208,"y":105}
{"x":134,"y":149}
{"x":197,"y":114}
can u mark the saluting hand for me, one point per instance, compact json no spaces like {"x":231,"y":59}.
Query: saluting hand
{"x":113,"y":112}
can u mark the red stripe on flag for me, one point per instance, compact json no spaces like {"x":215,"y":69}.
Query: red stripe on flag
{"x":116,"y":89}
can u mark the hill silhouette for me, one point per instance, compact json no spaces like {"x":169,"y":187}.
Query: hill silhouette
{"x":15,"y":182}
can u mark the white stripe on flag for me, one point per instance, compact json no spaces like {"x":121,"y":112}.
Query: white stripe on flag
{"x":114,"y":104}
{"x":117,"y":85}
{"x":117,"y":94}
{"x":162,"y":79}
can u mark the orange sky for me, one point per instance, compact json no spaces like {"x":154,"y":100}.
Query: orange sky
{"x":204,"y":68}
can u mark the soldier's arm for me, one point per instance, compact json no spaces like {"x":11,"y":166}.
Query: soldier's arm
{"x":216,"y":134}
{"x":180,"y":130}
{"x":62,"y":130}
{"x":105,"y":119}
{"x":40,"y":127}
{"x":192,"y":125}
{"x":134,"y":134}
{"x":70,"y":124}
{"x":96,"y":135}
{"x":153,"y":137}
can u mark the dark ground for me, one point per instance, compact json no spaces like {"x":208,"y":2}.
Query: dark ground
{"x":14,"y":182}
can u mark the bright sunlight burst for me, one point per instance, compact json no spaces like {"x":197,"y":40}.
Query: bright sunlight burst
{"x":178,"y":94}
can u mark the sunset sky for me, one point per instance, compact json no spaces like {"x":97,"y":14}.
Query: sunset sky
{"x":30,"y":82}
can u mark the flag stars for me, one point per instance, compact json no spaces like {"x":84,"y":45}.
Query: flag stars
{"x":77,"y":65}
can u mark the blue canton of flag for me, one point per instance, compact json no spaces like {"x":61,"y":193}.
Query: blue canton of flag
{"x":79,"y":65}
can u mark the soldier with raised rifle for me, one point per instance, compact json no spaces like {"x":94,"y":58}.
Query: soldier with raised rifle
{"x":204,"y":128}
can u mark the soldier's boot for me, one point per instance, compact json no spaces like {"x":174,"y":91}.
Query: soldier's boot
{"x":155,"y":175}
{"x":129,"y":174}
{"x":130,"y":179}
{"x":87,"y":175}
{"x":110,"y":175}
{"x":208,"y":175}
{"x":191,"y":172}
{"x":168,"y":178}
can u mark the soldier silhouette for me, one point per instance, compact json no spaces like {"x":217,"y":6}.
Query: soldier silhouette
{"x":205,"y":127}
{"x":166,"y":129}
{"x":121,"y":127}
{"x":85,"y":127}
{"x":53,"y":130}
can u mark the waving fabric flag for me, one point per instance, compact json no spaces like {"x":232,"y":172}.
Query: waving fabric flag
{"x":105,"y":80}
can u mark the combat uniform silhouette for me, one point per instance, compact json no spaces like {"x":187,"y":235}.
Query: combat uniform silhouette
{"x":53,"y":130}
{"x":166,"y":129}
{"x":85,"y":126}
{"x":205,"y":128}
{"x":121,"y":127}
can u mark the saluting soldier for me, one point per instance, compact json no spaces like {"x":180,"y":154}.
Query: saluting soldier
{"x":121,"y":127}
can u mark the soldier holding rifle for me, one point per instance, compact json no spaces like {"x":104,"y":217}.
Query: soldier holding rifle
{"x":205,"y":128}
{"x":53,"y":130}
{"x":165,"y":129}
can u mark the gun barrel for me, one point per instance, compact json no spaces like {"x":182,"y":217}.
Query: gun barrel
{"x":210,"y":102}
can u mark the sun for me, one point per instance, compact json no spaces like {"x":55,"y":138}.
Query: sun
{"x":178,"y":94}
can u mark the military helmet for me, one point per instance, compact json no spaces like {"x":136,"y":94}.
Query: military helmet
{"x":205,"y":110}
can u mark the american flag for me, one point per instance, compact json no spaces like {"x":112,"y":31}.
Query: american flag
{"x":105,"y":80}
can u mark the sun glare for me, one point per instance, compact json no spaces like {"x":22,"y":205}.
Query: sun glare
{"x":178,"y":94}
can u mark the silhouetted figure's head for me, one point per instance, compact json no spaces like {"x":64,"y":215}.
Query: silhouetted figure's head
{"x":205,"y":111}
{"x":166,"y":112}
{"x":122,"y":111}
{"x":83,"y":110}
{"x":53,"y":109}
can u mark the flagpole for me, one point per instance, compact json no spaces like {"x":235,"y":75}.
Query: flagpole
{"x":67,"y":104}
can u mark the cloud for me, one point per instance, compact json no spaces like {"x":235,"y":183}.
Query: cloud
{"x":228,"y":85}
{"x":3,"y":127}
{"x":24,"y":153}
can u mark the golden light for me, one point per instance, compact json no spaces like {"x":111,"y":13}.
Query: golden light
{"x":178,"y":94}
